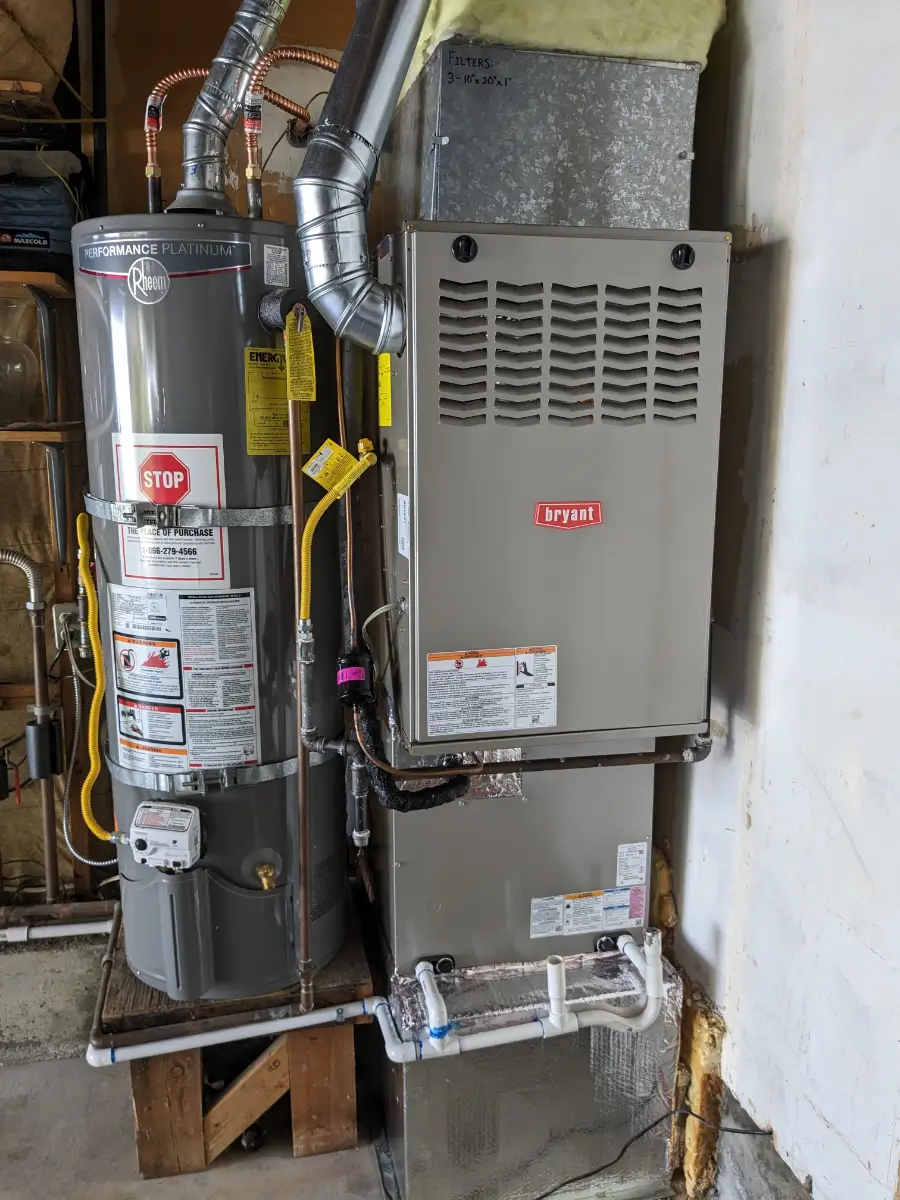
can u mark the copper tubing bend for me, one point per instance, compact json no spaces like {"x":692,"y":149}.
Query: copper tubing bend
{"x":156,"y":99}
{"x":273,"y":58}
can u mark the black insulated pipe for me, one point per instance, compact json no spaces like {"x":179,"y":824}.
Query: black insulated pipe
{"x":385,"y":786}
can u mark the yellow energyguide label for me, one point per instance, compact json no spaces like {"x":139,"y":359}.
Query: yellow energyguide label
{"x":384,"y":391}
{"x":332,"y":467}
{"x":301,"y":359}
{"x":265,"y":389}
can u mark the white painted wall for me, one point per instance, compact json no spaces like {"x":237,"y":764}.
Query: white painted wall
{"x":786,"y":842}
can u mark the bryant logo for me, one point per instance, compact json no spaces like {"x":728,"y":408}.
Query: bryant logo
{"x":568,"y":514}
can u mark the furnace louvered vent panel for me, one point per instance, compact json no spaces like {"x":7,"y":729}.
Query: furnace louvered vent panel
{"x":525,"y":354}
{"x":519,"y":327}
{"x":463,"y":352}
{"x":572,"y":384}
{"x":626,"y":355}
{"x":676,"y":368}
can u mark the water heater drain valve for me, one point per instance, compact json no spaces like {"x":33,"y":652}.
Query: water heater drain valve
{"x":165,"y":835}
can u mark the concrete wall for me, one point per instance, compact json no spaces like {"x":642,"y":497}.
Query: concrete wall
{"x":784,"y":844}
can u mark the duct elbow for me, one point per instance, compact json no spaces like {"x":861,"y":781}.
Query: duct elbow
{"x":329,"y":195}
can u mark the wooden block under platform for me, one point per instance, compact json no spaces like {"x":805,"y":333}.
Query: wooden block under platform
{"x":173,"y":1135}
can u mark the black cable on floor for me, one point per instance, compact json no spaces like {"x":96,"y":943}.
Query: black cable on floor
{"x":667,"y":1116}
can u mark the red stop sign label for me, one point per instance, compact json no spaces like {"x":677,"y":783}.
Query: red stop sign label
{"x":164,"y":478}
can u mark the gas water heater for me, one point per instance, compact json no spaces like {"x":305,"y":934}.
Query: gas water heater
{"x":197,"y":618}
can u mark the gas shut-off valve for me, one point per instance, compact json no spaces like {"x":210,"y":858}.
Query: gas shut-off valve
{"x":165,"y":835}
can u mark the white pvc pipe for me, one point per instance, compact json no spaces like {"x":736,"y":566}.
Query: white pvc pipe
{"x":31,"y":933}
{"x":97,"y":1057}
{"x":633,"y":1019}
{"x":439,"y":1027}
{"x":629,"y":947}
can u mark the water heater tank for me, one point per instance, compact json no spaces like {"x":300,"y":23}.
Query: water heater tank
{"x":185,"y":406}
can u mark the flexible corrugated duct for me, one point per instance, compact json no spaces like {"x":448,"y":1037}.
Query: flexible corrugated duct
{"x":340,"y":164}
{"x":216,"y":109}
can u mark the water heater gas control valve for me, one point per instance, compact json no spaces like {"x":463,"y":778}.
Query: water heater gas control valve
{"x":165,"y":835}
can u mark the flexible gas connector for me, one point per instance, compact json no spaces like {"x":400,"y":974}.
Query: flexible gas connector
{"x":93,"y":731}
{"x":366,"y":459}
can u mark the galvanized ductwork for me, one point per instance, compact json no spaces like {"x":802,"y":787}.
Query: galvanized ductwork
{"x":216,"y":109}
{"x":338,"y":171}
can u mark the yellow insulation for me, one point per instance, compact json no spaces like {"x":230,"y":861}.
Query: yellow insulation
{"x":670,"y":30}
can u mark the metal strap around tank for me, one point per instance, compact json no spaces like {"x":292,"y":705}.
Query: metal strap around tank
{"x":144,"y":515}
{"x":198,"y":783}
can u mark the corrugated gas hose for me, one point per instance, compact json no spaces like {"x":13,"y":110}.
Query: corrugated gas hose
{"x":96,"y":710}
{"x":67,"y":792}
{"x":367,"y":459}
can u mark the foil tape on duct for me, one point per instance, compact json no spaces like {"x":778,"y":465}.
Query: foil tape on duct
{"x":482,"y":787}
{"x":511,"y":1122}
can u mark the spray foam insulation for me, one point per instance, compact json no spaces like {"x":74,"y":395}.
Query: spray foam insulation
{"x":667,"y":30}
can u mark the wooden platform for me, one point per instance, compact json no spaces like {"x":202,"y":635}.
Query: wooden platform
{"x":132,"y":1005}
{"x":173,"y":1133}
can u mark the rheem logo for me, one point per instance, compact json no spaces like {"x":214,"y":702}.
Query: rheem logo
{"x":164,"y":478}
{"x":148,"y":280}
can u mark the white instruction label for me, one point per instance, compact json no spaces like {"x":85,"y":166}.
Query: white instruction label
{"x":492,"y":691}
{"x":587,"y":912}
{"x":546,"y":916}
{"x":197,"y":652}
{"x":172,"y":469}
{"x":276,"y":266}
{"x":631,"y":864}
{"x":403,"y":524}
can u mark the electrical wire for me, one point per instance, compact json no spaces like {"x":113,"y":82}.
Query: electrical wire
{"x":67,"y":790}
{"x":379,"y":612}
{"x":62,"y":179}
{"x":77,"y":671}
{"x":667,"y":1116}
{"x":275,"y":145}
{"x":286,"y":130}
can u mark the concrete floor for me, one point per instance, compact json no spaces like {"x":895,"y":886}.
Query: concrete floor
{"x":65,"y":1130}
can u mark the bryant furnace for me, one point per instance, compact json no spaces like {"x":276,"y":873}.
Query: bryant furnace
{"x":548,"y":447}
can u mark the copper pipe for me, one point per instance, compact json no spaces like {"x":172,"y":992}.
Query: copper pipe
{"x":697,"y":752}
{"x":106,"y":967}
{"x":345,"y":500}
{"x":153,"y":120}
{"x":31,"y":914}
{"x":295,"y":436}
{"x":254,"y":88}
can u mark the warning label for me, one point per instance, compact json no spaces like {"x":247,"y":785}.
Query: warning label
{"x":201,"y":652}
{"x":265,"y":390}
{"x":384,"y":391}
{"x":300,"y":358}
{"x":588,"y":912}
{"x":276,"y":265}
{"x":147,"y":667}
{"x":172,"y":469}
{"x":492,"y":691}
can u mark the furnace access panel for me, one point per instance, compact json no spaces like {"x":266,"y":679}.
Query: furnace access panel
{"x":549,"y":445}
